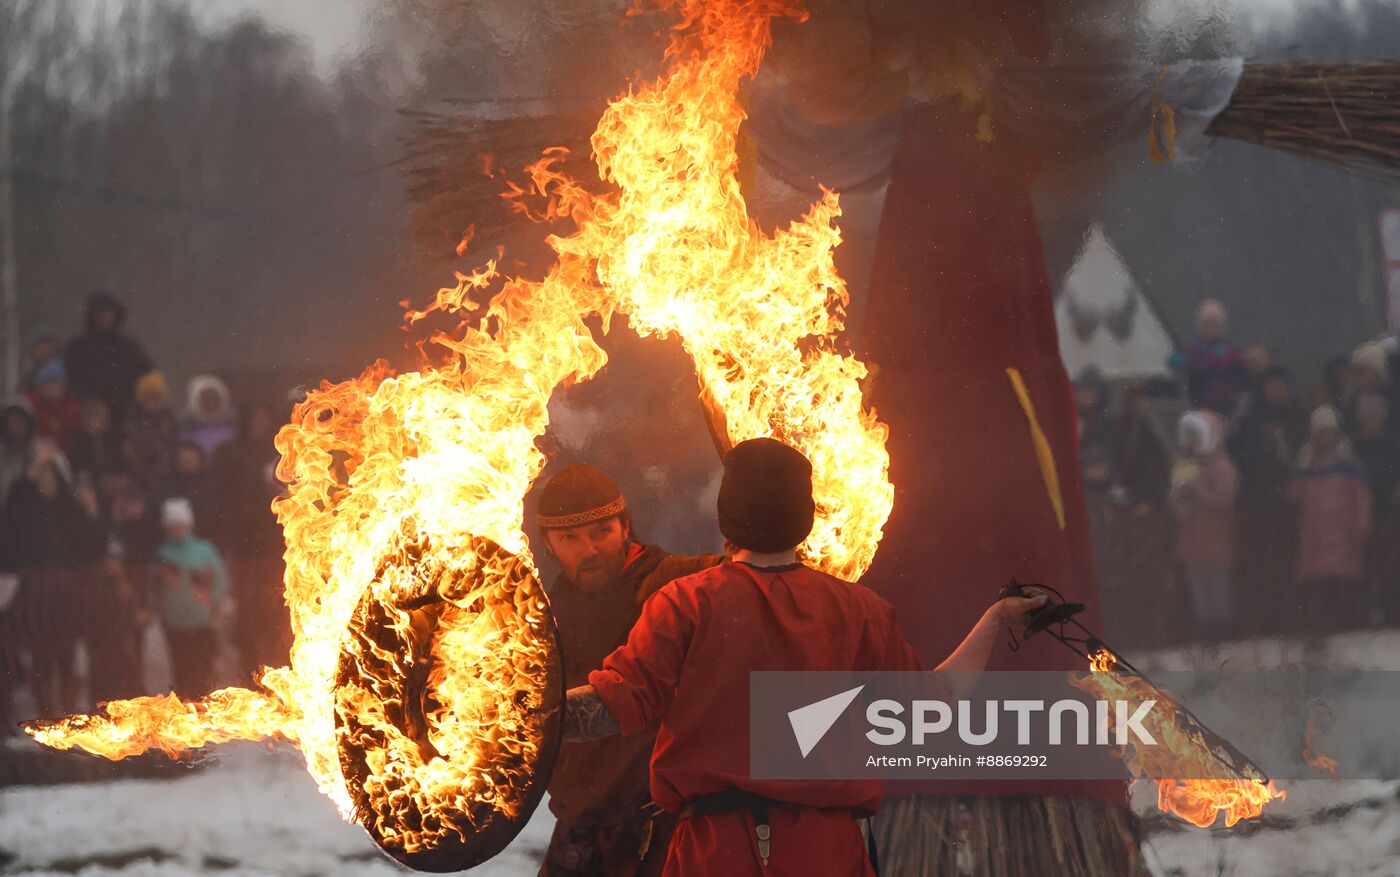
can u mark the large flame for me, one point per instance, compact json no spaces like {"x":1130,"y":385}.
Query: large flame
{"x":1212,"y":790}
{"x":393,"y":477}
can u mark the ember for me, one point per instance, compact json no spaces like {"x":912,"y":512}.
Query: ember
{"x":1312,"y":750}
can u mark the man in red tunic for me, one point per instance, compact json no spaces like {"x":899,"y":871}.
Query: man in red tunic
{"x":599,"y":789}
{"x":687,"y":659}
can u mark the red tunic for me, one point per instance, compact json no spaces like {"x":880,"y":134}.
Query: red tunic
{"x":687,"y":660}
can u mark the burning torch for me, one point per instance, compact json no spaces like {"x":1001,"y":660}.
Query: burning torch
{"x":1236,"y":786}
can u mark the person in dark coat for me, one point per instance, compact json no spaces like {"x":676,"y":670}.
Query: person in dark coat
{"x":1101,"y":449}
{"x":51,"y":533}
{"x":250,"y":539}
{"x":1100,"y":434}
{"x":103,"y":362}
{"x":97,"y":447}
{"x":599,"y":791}
{"x":151,"y":434}
{"x":1378,"y":449}
{"x":19,"y":441}
{"x":192,"y":480}
{"x":1213,"y":368}
{"x":1264,"y":445}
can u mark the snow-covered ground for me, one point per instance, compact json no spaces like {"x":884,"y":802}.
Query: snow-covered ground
{"x":252,"y":811}
{"x":1324,"y":828}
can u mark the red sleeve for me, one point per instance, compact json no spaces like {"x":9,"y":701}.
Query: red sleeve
{"x":637,"y":681}
{"x":889,"y":650}
{"x":898,"y":655}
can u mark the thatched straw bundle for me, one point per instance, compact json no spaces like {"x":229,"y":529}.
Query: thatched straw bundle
{"x":1013,"y":836}
{"x":1344,"y":113}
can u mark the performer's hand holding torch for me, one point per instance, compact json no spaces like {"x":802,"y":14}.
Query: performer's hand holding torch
{"x":970,"y":657}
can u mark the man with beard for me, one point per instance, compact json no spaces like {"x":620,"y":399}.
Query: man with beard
{"x":599,"y":791}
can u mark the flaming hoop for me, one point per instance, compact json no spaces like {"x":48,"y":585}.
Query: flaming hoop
{"x":416,"y":678}
{"x":424,"y":674}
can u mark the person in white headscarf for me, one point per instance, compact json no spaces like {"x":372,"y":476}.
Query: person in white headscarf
{"x":210,"y":419}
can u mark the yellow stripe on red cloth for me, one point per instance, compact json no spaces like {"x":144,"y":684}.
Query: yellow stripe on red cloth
{"x":1043,"y":454}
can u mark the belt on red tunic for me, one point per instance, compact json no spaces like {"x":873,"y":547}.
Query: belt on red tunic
{"x":737,"y":799}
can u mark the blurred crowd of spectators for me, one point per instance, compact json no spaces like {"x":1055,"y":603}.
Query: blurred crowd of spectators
{"x":1224,"y":502}
{"x":1230,"y":501}
{"x":130,"y":526}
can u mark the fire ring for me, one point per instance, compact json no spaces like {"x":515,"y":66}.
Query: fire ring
{"x":448,"y":714}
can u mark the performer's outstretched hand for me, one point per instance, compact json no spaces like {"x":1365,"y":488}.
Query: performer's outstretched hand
{"x":970,"y":657}
{"x":1016,"y":612}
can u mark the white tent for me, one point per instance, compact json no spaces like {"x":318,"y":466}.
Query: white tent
{"x":1104,"y":319}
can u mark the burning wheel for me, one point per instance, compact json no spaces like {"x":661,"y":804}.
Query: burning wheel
{"x":449,"y":703}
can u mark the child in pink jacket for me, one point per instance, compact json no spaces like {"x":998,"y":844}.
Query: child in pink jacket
{"x":1203,"y":487}
{"x":1334,"y":503}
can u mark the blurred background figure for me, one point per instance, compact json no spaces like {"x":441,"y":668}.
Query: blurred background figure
{"x":115,"y":614}
{"x":1264,"y":446}
{"x":190,"y":479}
{"x":151,"y":434}
{"x":96,"y":445}
{"x":1334,"y":503}
{"x":51,"y":534}
{"x":194,"y":593}
{"x":1203,"y":487}
{"x":44,"y":349}
{"x":1100,"y":459}
{"x":1370,"y":373}
{"x":210,"y":419}
{"x":57,"y":413}
{"x":19,"y":441}
{"x":245,"y":476}
{"x":1378,"y":449}
{"x":1213,"y":368}
{"x":103,"y":362}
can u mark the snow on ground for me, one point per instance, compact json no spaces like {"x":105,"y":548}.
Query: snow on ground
{"x":1324,"y":828}
{"x":1363,"y":841}
{"x":252,"y":811}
